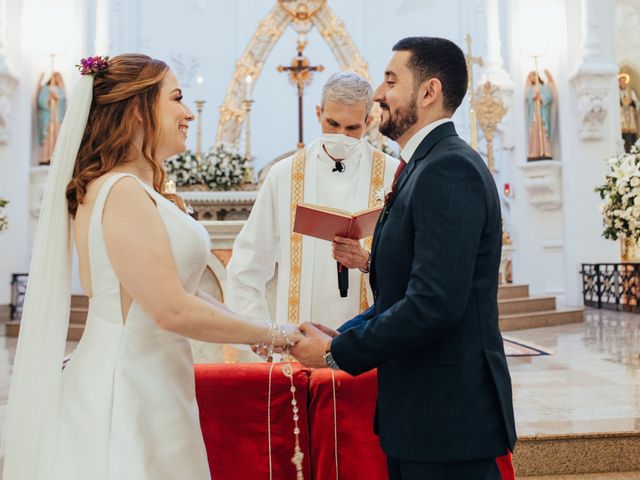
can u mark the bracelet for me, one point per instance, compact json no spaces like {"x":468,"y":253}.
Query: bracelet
{"x":367,"y":267}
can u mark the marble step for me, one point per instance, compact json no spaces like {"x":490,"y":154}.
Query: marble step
{"x":545,"y":318}
{"x":80,"y":301}
{"x":589,"y":476}
{"x":510,"y":306}
{"x":513,"y":291}
{"x":74,"y":333}
{"x":77,"y":320}
{"x":582,"y":456}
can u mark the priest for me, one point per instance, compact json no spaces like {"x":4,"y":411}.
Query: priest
{"x":341,"y":170}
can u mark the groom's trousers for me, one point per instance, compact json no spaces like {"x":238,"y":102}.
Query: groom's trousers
{"x":472,"y":470}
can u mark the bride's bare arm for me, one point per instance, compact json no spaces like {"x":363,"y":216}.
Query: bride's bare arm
{"x":140,"y":253}
{"x":211,"y":300}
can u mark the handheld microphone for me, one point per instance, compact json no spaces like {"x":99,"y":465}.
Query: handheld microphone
{"x":343,"y":280}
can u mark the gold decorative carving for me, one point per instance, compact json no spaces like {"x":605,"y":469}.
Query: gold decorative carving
{"x":302,"y":15}
{"x":489,"y":110}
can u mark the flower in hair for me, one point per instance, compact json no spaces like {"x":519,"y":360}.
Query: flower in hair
{"x":93,"y":65}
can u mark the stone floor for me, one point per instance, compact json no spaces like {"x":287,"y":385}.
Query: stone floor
{"x":590,"y":383}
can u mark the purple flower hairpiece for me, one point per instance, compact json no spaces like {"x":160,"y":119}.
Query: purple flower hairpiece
{"x":93,"y":65}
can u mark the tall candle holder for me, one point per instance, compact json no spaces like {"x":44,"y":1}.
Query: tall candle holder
{"x":247,"y":137}
{"x":199,"y":106}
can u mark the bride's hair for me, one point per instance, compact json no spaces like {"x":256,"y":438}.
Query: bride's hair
{"x":130,"y":84}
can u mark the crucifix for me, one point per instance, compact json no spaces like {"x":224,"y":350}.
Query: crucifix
{"x":472,"y":113}
{"x":300,"y":74}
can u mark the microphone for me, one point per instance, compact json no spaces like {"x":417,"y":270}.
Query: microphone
{"x":343,"y":280}
{"x":339,"y":166}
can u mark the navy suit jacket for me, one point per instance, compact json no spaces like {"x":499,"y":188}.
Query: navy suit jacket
{"x":444,"y":390}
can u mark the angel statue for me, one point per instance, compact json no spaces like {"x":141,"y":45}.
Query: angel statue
{"x":541,"y":115}
{"x":51,"y":106}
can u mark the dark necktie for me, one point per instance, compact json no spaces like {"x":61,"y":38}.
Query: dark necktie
{"x":396,"y":175}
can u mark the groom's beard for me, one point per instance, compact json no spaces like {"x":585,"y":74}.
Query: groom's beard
{"x":401,"y":120}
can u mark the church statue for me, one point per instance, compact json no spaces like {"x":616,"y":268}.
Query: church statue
{"x":541,"y":108}
{"x":628,"y":111}
{"x":51,"y":104}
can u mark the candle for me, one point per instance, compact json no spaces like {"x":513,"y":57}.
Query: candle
{"x":199,"y":82}
{"x":248,"y":81}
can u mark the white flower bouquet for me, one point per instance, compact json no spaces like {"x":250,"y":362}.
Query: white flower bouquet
{"x":184,"y":169}
{"x":4,"y":222}
{"x":222,"y":168}
{"x":225,"y":168}
{"x":621,"y":196}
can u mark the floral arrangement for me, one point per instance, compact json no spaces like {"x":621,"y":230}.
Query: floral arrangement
{"x":222,"y":168}
{"x":621,"y":194}
{"x":4,"y":222}
{"x":93,"y":65}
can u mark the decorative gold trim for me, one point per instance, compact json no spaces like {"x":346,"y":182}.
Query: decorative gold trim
{"x":302,"y":16}
{"x":378,"y":167}
{"x":490,"y":110}
{"x":297,"y":196}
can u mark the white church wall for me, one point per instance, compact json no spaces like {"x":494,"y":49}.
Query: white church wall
{"x":584,"y":166}
{"x":15,"y":159}
{"x":552,"y":243}
{"x":19,"y":157}
{"x":207,"y":38}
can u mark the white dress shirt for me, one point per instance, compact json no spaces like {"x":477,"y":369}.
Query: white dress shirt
{"x":413,"y":143}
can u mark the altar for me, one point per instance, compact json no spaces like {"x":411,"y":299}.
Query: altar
{"x":247,"y":423}
{"x":219,"y":205}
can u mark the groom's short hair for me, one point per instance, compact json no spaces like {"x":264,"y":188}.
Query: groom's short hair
{"x":439,"y":58}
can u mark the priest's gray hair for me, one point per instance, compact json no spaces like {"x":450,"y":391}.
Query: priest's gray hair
{"x":349,"y":88}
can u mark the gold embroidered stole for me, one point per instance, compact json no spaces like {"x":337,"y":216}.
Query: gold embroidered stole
{"x":295,"y":252}
{"x":377,"y":184}
{"x":295,"y":249}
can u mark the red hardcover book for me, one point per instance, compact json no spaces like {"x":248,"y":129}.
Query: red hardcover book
{"x":327,"y":223}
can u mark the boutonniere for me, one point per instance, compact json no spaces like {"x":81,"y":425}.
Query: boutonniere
{"x":381,"y":195}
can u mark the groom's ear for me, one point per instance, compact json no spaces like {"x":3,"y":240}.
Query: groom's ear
{"x":429,"y":92}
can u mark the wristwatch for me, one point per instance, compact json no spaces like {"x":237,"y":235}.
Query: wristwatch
{"x":367,"y":267}
{"x":328,"y":358}
{"x":331,"y":363}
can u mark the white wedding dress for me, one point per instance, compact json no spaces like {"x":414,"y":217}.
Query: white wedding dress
{"x":128,"y":409}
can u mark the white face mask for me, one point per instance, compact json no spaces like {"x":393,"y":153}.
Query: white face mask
{"x":340,"y":146}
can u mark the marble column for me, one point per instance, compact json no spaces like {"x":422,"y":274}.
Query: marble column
{"x":8,"y":78}
{"x":593,"y":76}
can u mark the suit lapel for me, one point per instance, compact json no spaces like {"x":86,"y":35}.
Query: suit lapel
{"x":430,"y":141}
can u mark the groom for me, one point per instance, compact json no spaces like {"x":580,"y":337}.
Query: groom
{"x":444,"y":401}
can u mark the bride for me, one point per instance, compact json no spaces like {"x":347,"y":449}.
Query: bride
{"x":124,"y":407}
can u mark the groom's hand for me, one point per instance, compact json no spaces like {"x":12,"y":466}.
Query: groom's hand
{"x":311,"y":349}
{"x":324,"y":329}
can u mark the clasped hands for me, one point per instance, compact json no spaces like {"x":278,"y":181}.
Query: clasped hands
{"x":312,"y":341}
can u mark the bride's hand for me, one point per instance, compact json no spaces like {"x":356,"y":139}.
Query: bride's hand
{"x":293,"y":335}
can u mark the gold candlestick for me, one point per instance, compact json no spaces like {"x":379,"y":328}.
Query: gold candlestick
{"x":199,"y":105}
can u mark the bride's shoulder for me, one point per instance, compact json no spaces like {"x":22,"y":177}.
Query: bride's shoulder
{"x":125,"y":188}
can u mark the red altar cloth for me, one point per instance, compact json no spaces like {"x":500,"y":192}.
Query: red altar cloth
{"x":233,"y":415}
{"x":359,"y":454}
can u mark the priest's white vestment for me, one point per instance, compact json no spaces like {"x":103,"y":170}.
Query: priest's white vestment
{"x":265,"y":240}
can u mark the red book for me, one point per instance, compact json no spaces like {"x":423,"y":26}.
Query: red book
{"x":327,"y":223}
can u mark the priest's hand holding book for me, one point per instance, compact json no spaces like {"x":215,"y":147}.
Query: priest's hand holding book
{"x":350,"y":253}
{"x":342,"y":228}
